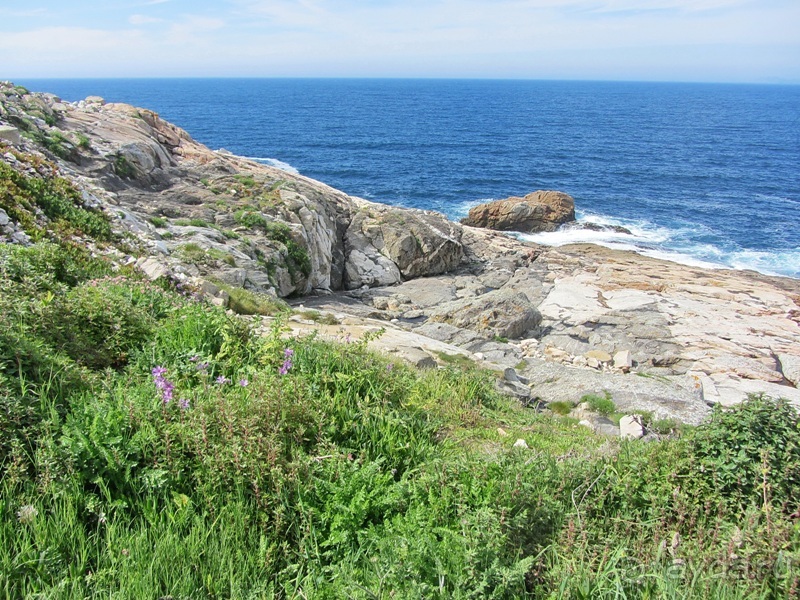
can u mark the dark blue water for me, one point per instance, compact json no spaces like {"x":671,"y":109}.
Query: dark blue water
{"x":704,"y":172}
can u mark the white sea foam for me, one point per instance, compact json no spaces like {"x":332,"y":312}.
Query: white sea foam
{"x":274,"y":162}
{"x":679,"y":245}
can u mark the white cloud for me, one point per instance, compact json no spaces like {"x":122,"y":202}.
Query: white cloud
{"x":143,"y":20}
{"x":737,"y":39}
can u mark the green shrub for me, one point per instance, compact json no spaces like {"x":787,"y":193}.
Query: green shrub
{"x":159,"y":222}
{"x":83,"y":141}
{"x":602,"y":405}
{"x":246,"y":302}
{"x":99,"y":324}
{"x":751,"y":452}
{"x":561,"y":407}
{"x":57,"y":198}
{"x":123,"y":167}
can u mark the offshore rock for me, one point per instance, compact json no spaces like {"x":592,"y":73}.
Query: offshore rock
{"x":538,"y":211}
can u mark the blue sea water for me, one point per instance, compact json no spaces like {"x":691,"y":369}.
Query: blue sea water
{"x":700,"y":173}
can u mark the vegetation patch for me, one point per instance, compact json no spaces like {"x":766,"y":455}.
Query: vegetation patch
{"x":23,"y":195}
{"x":155,"y":446}
{"x":601,"y":404}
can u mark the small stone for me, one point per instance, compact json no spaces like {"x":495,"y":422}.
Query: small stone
{"x":520,"y":443}
{"x":4,"y":218}
{"x":586,"y":423}
{"x":623,"y":360}
{"x":579,"y":361}
{"x":600,"y":355}
{"x":510,"y":374}
{"x":502,"y":432}
{"x":630,"y":427}
{"x":593,"y":362}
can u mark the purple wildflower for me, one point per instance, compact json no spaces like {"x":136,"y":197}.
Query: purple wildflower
{"x":222,"y":380}
{"x":184,"y":403}
{"x":162,"y":383}
{"x":202,"y":366}
{"x":288,"y":353}
{"x":194,"y":358}
{"x":389,"y":367}
{"x":244,"y":382}
{"x":287,"y":364}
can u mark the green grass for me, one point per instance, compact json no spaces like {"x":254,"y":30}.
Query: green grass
{"x":602,"y":405}
{"x":283,"y":467}
{"x":317,"y":317}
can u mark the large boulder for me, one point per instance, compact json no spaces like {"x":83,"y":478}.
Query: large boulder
{"x":538,"y":211}
{"x":383,"y":243}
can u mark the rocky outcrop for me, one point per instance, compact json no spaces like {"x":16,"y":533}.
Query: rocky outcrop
{"x":218,"y":216}
{"x":538,"y":211}
{"x":384,"y":244}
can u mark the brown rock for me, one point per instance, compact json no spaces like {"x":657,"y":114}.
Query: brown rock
{"x":539,"y":211}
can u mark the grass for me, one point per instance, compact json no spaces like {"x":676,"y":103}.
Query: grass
{"x":318,"y":317}
{"x":602,"y":405}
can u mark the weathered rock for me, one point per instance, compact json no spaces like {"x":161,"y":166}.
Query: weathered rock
{"x":499,"y":313}
{"x":790,"y":367}
{"x":416,"y":242}
{"x":522,"y":444}
{"x":600,"y":356}
{"x":538,"y":211}
{"x":10,"y":134}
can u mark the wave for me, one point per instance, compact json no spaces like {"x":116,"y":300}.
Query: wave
{"x":274,"y":162}
{"x":683,"y":244}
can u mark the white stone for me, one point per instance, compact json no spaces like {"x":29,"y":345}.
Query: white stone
{"x":623,"y":360}
{"x":630,"y":427}
{"x":520,"y":443}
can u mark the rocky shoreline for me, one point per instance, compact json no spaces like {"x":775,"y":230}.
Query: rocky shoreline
{"x":556,"y":323}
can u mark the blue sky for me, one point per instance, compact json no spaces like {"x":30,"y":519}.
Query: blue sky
{"x":656,"y":40}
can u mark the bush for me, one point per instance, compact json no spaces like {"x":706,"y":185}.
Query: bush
{"x":603,"y":405}
{"x":100,"y":323}
{"x":751,"y":453}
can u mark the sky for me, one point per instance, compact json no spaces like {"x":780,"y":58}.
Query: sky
{"x":739,"y":41}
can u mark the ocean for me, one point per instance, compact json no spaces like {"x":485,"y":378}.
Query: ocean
{"x":705,"y":174}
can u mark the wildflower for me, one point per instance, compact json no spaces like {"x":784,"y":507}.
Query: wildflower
{"x":389,"y":367}
{"x":26,"y":514}
{"x":287,"y":364}
{"x":222,"y":380}
{"x":162,"y":383}
{"x":203,"y":366}
{"x":194,"y":358}
{"x":184,"y":403}
{"x":244,"y":382}
{"x":347,"y":339}
{"x":288,"y":353}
